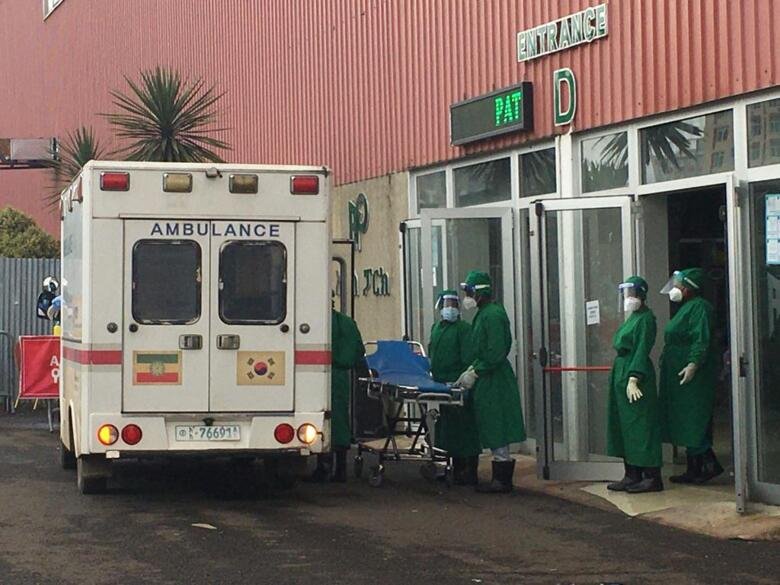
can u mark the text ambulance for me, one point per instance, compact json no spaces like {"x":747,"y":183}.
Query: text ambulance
{"x":196,"y":314}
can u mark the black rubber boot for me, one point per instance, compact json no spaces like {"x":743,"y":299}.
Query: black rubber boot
{"x":709,"y":468}
{"x":651,"y":482}
{"x":633,"y":475}
{"x":340,"y":473}
{"x":321,"y":473}
{"x":467,"y":474}
{"x":502,"y":478}
{"x":691,"y":473}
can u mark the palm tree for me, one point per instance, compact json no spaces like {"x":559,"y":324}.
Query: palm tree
{"x":78,"y":148}
{"x":167,"y":119}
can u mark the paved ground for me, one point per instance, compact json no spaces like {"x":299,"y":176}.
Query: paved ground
{"x":407,"y":531}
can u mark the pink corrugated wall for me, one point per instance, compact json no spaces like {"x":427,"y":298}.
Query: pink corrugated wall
{"x":364,"y":86}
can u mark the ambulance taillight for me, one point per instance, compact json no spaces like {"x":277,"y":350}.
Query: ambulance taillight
{"x":284,"y":433}
{"x":307,"y":433}
{"x":131,"y":434}
{"x":110,"y":181}
{"x":107,"y":435}
{"x":305,"y":185}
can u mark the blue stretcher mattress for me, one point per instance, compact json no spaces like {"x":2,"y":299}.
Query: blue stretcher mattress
{"x":395,"y":363}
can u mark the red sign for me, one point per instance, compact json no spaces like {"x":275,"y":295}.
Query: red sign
{"x":39,"y":367}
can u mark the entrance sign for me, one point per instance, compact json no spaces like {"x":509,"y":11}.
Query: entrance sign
{"x":563,"y":77}
{"x":575,"y":29}
{"x":506,"y":110}
{"x":773,"y":229}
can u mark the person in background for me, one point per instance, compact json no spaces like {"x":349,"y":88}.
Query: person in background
{"x":633,"y":431}
{"x":688,"y":377}
{"x":450,"y":354}
{"x":496,"y":397}
{"x":348,"y":353}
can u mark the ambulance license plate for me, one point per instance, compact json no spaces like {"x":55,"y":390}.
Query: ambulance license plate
{"x":206,"y":433}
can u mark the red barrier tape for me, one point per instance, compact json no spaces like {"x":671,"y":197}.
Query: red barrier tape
{"x":554,"y":370}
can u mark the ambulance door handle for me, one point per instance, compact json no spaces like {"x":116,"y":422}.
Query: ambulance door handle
{"x":190,"y":342}
{"x":228,"y":341}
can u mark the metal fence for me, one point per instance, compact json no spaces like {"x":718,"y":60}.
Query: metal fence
{"x":20,"y":284}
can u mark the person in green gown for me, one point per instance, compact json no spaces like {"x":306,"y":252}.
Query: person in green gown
{"x":688,"y":377}
{"x":496,"y":397}
{"x":633,"y":428}
{"x":450,"y":354}
{"x":348,"y":353}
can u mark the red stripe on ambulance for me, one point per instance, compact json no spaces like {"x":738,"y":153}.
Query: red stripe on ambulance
{"x":312,"y":358}
{"x":93,"y":357}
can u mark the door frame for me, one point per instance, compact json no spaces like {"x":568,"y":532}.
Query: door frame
{"x":547,"y":466}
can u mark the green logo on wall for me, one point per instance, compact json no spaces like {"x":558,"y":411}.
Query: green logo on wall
{"x":358,"y":219}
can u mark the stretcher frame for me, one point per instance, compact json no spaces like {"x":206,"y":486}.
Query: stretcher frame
{"x":398,"y":402}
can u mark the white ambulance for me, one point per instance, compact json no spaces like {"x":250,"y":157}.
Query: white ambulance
{"x":196,"y":314}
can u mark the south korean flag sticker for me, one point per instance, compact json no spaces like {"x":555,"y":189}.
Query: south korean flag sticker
{"x":256,"y":368}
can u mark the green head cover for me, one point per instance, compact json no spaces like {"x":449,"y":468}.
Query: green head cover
{"x":477,"y":283}
{"x":640,"y":286}
{"x":693,"y":278}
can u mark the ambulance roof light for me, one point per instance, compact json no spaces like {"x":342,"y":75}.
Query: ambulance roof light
{"x":111,"y":181}
{"x":304,"y":185}
{"x":244,"y":184}
{"x":177,"y":182}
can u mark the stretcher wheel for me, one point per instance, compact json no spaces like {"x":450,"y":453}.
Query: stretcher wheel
{"x":358,"y":468}
{"x":377,"y":475}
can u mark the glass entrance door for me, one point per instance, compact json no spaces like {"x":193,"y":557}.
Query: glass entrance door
{"x":580,"y":251}
{"x":455,"y":241}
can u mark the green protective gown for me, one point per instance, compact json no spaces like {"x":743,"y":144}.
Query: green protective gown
{"x":686,"y":410}
{"x":347,"y":353}
{"x":633,"y":429}
{"x":451,"y":353}
{"x":496,"y":397}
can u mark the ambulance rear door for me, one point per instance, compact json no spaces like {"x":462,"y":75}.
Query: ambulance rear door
{"x":166,"y":316}
{"x":252,"y":343}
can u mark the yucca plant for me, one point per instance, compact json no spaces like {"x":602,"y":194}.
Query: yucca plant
{"x":77,"y":149}
{"x":168,"y":119}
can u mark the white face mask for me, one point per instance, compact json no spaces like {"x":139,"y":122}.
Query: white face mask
{"x":632,"y":304}
{"x":675,"y":295}
{"x":450,"y":314}
{"x":469,"y":303}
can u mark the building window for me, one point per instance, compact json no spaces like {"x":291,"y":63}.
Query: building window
{"x":49,"y":6}
{"x":483,"y":183}
{"x":721,"y":134}
{"x":686,"y":148}
{"x":537,"y":173}
{"x":431,"y":191}
{"x":604,"y":162}
{"x":763,"y":145}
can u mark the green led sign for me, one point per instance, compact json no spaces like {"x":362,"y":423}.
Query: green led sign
{"x":506,"y":110}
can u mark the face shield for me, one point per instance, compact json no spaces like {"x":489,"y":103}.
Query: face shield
{"x":628,"y":297}
{"x":676,"y":281}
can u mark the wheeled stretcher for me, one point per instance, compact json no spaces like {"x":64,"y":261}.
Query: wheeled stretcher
{"x":400,"y":378}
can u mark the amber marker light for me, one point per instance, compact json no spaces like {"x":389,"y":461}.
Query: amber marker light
{"x":107,"y":434}
{"x":307,"y":433}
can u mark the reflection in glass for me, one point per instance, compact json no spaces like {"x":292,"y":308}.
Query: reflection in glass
{"x":431,"y":191}
{"x":603,"y":271}
{"x":766,"y":296}
{"x":482,"y":183}
{"x":764,"y":133}
{"x":414,"y":282}
{"x":537,"y":172}
{"x":688,"y":148}
{"x":527,"y":383}
{"x":605,"y":162}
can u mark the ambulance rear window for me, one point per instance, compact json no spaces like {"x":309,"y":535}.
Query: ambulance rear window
{"x":166,"y":282}
{"x":253,"y":283}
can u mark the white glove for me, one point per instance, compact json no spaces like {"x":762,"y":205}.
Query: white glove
{"x":632,"y":390}
{"x":687,"y":373}
{"x":467,"y":379}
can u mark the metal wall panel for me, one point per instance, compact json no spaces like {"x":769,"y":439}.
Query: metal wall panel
{"x":364,"y":86}
{"x":20,"y":285}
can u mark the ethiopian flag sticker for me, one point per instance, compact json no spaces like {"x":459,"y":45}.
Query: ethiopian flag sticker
{"x":157,"y":367}
{"x":260,"y":368}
